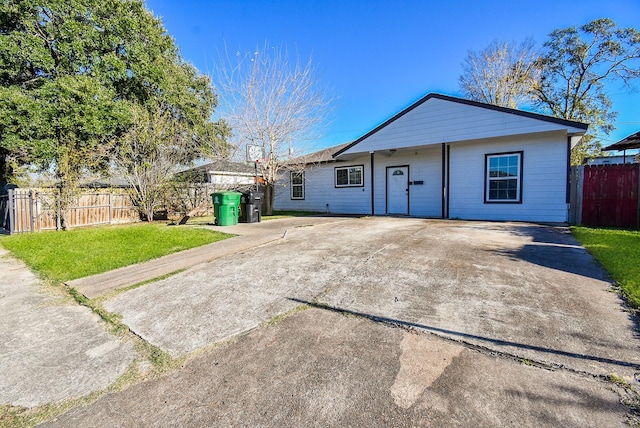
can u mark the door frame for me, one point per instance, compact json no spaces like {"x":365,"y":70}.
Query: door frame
{"x":386,"y":177}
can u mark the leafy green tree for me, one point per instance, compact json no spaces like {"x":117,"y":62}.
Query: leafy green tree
{"x":71,"y":72}
{"x":575,"y":65}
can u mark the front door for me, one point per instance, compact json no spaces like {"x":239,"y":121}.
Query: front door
{"x":398,"y":190}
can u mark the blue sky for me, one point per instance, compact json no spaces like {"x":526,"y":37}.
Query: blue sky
{"x":380,"y":56}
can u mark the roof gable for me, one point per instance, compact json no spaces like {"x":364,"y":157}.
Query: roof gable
{"x":440,"y":118}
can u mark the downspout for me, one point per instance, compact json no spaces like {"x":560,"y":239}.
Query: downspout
{"x":568,"y":172}
{"x":373,"y":209}
{"x":448,"y":179}
{"x":444,"y":184}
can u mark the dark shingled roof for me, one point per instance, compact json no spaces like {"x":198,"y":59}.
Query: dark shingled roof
{"x":631,"y":142}
{"x":324,"y":155}
{"x":202,"y":171}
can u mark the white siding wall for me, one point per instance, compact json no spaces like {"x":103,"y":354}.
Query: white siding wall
{"x":426,"y":165}
{"x":543,"y":176}
{"x":441,"y":121}
{"x":544,"y":179}
{"x":320,"y":190}
{"x":425,"y":200}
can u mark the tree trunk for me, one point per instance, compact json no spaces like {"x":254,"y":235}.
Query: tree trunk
{"x":64,"y":203}
{"x":268,"y":198}
{"x":4,"y":173}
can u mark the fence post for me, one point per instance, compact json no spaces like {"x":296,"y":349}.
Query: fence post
{"x":31,"y":219}
{"x":580,"y":194}
{"x":58,"y":208}
{"x":110,"y":207}
{"x":575,"y":200}
{"x":12,"y":211}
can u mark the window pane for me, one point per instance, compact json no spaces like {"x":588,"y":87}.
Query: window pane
{"x":297,"y":191}
{"x":503,"y":166}
{"x":355,"y":176}
{"x":296,"y":178}
{"x":503,"y":189}
{"x":342,"y":177}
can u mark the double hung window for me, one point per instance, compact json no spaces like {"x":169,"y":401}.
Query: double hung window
{"x":297,"y":185}
{"x":503,"y":174}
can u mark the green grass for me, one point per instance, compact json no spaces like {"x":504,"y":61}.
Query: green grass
{"x":619,"y":252}
{"x":63,"y":256}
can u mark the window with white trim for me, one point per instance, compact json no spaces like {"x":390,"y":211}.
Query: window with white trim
{"x":349,"y":176}
{"x":297,"y":185}
{"x":503,"y":172}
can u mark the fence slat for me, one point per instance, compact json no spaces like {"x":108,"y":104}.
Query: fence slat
{"x":611,"y":196}
{"x":38,"y":209}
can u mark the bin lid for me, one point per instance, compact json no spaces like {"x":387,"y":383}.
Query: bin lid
{"x":226,"y":198}
{"x":251,"y":196}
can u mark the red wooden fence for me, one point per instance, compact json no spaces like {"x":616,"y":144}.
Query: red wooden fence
{"x":610,"y":196}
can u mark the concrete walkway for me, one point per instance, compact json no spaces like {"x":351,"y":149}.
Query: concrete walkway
{"x":50,"y":347}
{"x":53,"y":349}
{"x":249,"y":236}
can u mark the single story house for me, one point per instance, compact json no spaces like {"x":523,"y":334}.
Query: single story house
{"x":222,"y":174}
{"x":443,"y":157}
{"x":612,"y":160}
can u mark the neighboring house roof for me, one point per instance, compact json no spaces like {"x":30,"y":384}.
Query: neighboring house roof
{"x":631,"y":142}
{"x":604,"y":160}
{"x":221,"y":166}
{"x":104,"y":183}
{"x":575,"y":128}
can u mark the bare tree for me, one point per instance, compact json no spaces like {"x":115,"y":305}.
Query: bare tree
{"x":501,"y":74}
{"x":273,"y":104}
{"x":152,"y":150}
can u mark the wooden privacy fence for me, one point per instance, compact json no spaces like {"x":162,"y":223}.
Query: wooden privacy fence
{"x":606,"y":196}
{"x":32,"y":210}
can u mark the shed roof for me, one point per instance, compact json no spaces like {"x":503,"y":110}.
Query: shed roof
{"x":631,"y":142}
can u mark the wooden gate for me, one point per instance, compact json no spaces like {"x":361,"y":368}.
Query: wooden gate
{"x":610,"y":196}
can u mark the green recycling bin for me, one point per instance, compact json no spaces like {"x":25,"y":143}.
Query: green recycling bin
{"x":225,"y":207}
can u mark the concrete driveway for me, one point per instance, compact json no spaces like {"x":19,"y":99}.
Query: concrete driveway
{"x":500,"y":324}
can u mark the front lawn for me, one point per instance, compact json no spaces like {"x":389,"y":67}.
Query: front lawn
{"x":63,"y":256}
{"x":619,"y":252}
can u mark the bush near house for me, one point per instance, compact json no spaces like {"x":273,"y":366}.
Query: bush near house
{"x":618,"y":251}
